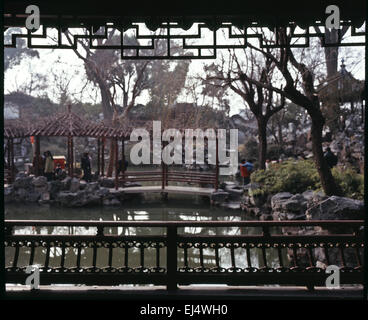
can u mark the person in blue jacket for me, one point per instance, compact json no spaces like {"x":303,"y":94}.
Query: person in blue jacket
{"x":246,"y":168}
{"x":249,"y":165}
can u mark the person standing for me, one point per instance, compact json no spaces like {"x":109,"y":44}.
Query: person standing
{"x":49,"y":166}
{"x":267,"y":164}
{"x":58,"y":171}
{"x":244,"y":172}
{"x":250,"y":166}
{"x":122,"y":167}
{"x":41,"y":165}
{"x":43,"y":162}
{"x":86,"y":166}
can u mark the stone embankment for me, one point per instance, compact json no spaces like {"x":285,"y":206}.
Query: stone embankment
{"x":70,"y":192}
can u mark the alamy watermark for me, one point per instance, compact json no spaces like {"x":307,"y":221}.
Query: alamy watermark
{"x":333,"y":281}
{"x":33,"y":20}
{"x":33,"y":280}
{"x":172,"y":152}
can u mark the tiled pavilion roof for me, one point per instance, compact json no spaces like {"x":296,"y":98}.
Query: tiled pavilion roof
{"x":16,"y":128}
{"x":70,"y":124}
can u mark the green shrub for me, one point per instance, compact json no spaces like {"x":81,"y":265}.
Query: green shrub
{"x":299,"y":176}
{"x":351,"y":183}
{"x":288,"y":176}
{"x":256,"y":192}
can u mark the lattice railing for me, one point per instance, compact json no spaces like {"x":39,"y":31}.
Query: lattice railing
{"x":258,"y":253}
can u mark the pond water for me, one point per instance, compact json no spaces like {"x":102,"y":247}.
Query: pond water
{"x":176,"y":208}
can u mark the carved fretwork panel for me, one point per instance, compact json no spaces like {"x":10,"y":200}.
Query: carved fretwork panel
{"x":169,"y":41}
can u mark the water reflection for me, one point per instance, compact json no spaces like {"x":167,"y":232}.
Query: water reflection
{"x":172,"y":210}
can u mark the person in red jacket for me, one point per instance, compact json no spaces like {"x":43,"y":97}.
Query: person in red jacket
{"x":244,"y":172}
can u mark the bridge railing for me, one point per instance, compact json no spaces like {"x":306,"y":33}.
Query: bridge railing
{"x":139,"y":176}
{"x":165,"y":176}
{"x":191,"y":177}
{"x":258,"y":253}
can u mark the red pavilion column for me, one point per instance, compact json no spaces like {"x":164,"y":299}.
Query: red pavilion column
{"x":116,"y":164}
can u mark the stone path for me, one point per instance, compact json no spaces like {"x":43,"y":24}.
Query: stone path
{"x":170,"y":189}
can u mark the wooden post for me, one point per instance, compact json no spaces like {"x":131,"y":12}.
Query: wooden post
{"x":172,"y":256}
{"x":217,"y":164}
{"x":166,"y":175}
{"x":72,"y":155}
{"x":166,"y":169}
{"x":123,"y":159}
{"x":163,"y":171}
{"x":10,"y":160}
{"x":98,"y":155}
{"x":9,"y":169}
{"x":12,"y":166}
{"x":37,"y":155}
{"x":68,"y":154}
{"x":116,"y":164}
{"x":103,"y":157}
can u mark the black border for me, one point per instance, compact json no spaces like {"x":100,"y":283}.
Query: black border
{"x":2,"y":214}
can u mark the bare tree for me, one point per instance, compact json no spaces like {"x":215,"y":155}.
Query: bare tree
{"x":120,"y":81}
{"x":105,"y":69}
{"x":304,"y":95}
{"x":34,"y":84}
{"x":167,"y":80}
{"x":214,"y":89}
{"x":291,"y":113}
{"x":262,"y":101}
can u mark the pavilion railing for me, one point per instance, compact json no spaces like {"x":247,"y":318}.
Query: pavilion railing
{"x":172,"y":257}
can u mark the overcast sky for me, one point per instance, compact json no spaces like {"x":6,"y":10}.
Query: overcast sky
{"x":61,"y":60}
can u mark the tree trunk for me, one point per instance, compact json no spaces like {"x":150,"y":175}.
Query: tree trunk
{"x":262,"y":138}
{"x":125,"y":114}
{"x":327,"y":180}
{"x":107,"y":109}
